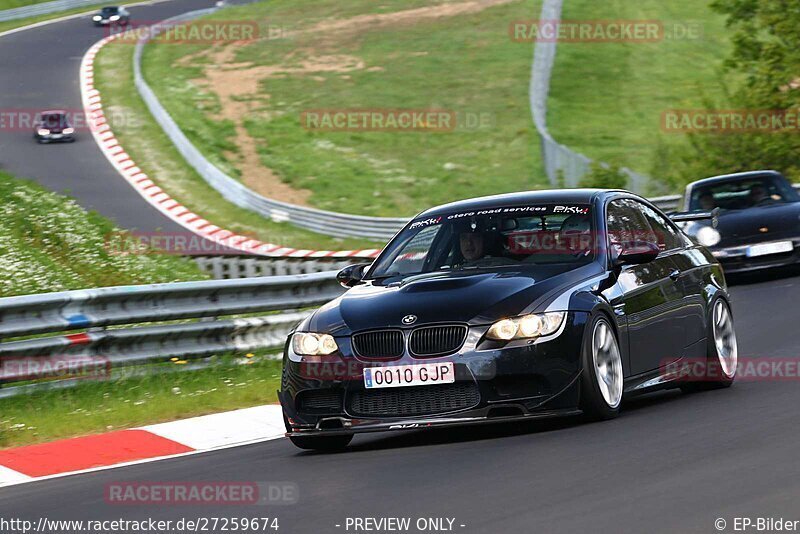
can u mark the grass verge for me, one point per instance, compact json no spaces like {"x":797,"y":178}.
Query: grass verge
{"x":607,"y":99}
{"x":461,"y":62}
{"x":154,"y":153}
{"x":95,"y":407}
{"x":18,"y":23}
{"x":49,"y":243}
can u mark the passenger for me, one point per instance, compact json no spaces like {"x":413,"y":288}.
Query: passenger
{"x":575,"y":234}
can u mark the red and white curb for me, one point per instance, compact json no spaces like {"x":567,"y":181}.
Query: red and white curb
{"x":144,"y":185}
{"x":138,"y":445}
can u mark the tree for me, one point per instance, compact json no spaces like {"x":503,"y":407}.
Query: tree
{"x":766,"y":53}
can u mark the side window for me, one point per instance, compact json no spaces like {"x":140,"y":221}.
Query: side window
{"x":626,"y":223}
{"x":667,"y":237}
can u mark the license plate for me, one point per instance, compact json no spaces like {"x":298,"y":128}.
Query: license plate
{"x":769,"y":248}
{"x":409,"y":375}
{"x":56,"y":136}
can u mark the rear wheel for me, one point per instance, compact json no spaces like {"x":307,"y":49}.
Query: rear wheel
{"x":722,"y":353}
{"x":602,"y":377}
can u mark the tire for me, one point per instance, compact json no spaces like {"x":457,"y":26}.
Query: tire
{"x":322,"y":443}
{"x":722,"y":354}
{"x":601,"y":357}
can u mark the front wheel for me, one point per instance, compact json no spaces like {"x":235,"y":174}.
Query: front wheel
{"x":322,"y":443}
{"x":602,"y":377}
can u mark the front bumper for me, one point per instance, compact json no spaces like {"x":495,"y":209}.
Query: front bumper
{"x":519,"y":381}
{"x":56,"y":138}
{"x":735,"y":259}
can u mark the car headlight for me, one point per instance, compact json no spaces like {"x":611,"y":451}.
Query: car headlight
{"x":311,"y":344}
{"x":97,"y":17}
{"x":43,"y":131}
{"x":707,"y":236}
{"x":526,"y":326}
{"x":69,"y":130}
{"x":113,"y":17}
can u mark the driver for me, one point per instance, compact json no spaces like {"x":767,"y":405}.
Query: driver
{"x":707,"y":201}
{"x":758,"y":194}
{"x":472,"y":245}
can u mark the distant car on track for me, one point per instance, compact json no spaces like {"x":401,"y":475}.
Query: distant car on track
{"x":757,"y":223}
{"x":510,"y":307}
{"x":112,"y":15}
{"x":53,"y":126}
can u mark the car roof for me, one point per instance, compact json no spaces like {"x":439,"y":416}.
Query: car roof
{"x":547,"y":196}
{"x":53,"y":112}
{"x":732,"y":177}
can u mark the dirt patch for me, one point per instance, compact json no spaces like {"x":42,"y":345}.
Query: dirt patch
{"x":371,"y":22}
{"x":236,"y":83}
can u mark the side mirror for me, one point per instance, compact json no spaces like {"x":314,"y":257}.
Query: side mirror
{"x":637,"y":253}
{"x":352,"y":274}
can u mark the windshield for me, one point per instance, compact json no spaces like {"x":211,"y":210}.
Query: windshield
{"x":742,"y":194}
{"x":54,"y":120}
{"x":500,"y":237}
{"x":110,"y":10}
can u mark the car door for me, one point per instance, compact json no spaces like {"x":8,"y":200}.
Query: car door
{"x":650,"y":297}
{"x":691,"y":266}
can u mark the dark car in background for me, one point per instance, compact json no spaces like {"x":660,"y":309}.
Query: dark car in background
{"x":757,"y":223}
{"x":509,"y":307}
{"x":53,"y":126}
{"x":112,"y":15}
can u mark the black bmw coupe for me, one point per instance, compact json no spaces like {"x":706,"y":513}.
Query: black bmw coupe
{"x":510,"y":307}
{"x":757,"y":224}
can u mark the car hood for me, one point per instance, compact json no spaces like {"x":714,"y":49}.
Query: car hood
{"x":479,"y":298}
{"x":762,"y":223}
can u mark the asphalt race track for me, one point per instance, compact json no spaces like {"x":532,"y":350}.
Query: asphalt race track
{"x":40,"y":71}
{"x":670,"y":463}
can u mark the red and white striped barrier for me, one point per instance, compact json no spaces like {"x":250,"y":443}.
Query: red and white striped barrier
{"x":139,"y":445}
{"x":144,"y":185}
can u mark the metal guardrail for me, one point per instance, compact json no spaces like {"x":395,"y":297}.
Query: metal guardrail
{"x":561,"y":163}
{"x":44,"y":8}
{"x":130,"y":307}
{"x":136,"y":346}
{"x":73,"y":310}
{"x":324,"y":222}
{"x":226,"y":267}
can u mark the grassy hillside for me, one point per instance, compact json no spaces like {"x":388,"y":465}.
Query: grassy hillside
{"x":606,"y":99}
{"x":242,"y":104}
{"x":49,"y":243}
{"x":155,"y":154}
